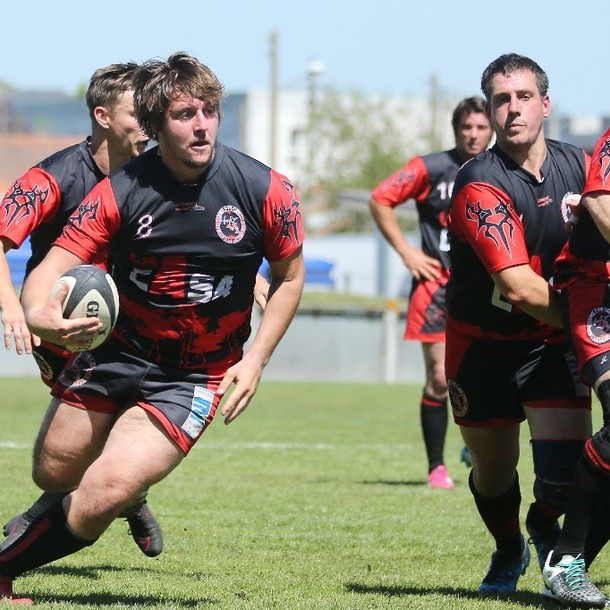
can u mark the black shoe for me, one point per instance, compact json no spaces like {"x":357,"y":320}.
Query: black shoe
{"x":145,"y":530}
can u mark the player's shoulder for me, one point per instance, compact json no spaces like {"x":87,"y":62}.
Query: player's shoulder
{"x":560,"y":150}
{"x":236,"y":169}
{"x":553,"y":144}
{"x":70,"y":155}
{"x":237,"y":158}
{"x":478,"y":168}
{"x":441,"y":159}
{"x":71,"y":167}
{"x":568,"y":160}
{"x":149,"y":162}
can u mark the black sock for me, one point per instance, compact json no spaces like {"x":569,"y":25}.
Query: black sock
{"x":598,"y":534}
{"x":591,"y":491}
{"x":132,"y":509}
{"x":46,"y":539}
{"x":46,"y":500}
{"x":433,"y":415}
{"x":539,"y":520}
{"x":501,"y":517}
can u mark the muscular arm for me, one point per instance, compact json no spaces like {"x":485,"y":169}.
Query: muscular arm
{"x":13,"y":320}
{"x":261,"y":291}
{"x":287,"y":278}
{"x":598,"y":205}
{"x":44,"y":313}
{"x":421,"y":265}
{"x":525,"y":289}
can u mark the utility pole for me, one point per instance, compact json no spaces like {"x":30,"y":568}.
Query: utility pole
{"x":434,"y":113}
{"x":273,"y":39}
{"x":314,"y":68}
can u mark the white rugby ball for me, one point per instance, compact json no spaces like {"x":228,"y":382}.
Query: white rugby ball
{"x":91,"y":293}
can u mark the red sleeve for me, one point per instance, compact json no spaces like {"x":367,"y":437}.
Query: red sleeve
{"x":599,"y":172}
{"x":484,"y":216}
{"x":410,"y":182}
{"x":283,"y":226}
{"x":32,"y":200}
{"x":92,"y":224}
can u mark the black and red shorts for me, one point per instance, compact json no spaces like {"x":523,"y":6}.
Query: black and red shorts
{"x":427,"y":313}
{"x":51,"y":360}
{"x":586,"y":311}
{"x":108,"y":379}
{"x":491,"y":381}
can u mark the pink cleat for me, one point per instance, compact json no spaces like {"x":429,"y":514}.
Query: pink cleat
{"x":439,"y":478}
{"x":6,"y":593}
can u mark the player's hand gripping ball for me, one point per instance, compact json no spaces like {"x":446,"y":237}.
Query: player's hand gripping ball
{"x":91,"y":293}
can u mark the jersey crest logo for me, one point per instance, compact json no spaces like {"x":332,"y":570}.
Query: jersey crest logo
{"x":570,"y":200}
{"x":603,"y":158}
{"x":458,"y":398}
{"x":20,"y":203}
{"x":598,"y":325}
{"x":493,"y":223}
{"x":230,"y":224}
{"x":289,"y":217}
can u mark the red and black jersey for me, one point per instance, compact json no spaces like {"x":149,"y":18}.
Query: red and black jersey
{"x":185,"y":257}
{"x":429,"y":180}
{"x":502,"y":216}
{"x":41,"y":201}
{"x":588,"y":252}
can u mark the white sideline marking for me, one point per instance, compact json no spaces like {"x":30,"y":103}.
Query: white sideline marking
{"x":292,"y":446}
{"x":259,"y":445}
{"x":11,"y":445}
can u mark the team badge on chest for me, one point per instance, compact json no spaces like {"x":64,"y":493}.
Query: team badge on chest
{"x":230,"y":224}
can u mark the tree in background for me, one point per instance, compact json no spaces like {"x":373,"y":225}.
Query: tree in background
{"x":355,"y":140}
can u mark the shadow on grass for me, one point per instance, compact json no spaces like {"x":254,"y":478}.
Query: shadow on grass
{"x":109,"y":598}
{"x":418,"y":483}
{"x":93,"y":600}
{"x":522,"y":598}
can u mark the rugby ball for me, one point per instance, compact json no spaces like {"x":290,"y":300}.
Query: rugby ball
{"x":91,"y":293}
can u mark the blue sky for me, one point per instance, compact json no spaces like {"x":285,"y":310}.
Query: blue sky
{"x":376,"y":46}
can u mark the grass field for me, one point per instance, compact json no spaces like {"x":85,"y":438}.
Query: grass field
{"x":314,"y":499}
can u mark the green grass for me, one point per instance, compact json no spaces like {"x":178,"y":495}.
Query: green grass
{"x":330,"y":300}
{"x":314,"y":499}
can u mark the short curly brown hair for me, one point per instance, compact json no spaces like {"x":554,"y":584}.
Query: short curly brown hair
{"x":158,"y":82}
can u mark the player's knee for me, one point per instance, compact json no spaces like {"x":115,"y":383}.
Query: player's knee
{"x":436,"y":386}
{"x":554,"y":464}
{"x":553,"y":495}
{"x":114,"y":491}
{"x":53,"y":480}
{"x":52,"y":474}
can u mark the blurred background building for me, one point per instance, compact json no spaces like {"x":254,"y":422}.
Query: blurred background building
{"x":335,"y":147}
{"x":307,"y":135}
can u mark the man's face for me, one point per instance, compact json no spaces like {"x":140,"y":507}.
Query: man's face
{"x":124,"y":133}
{"x":473,"y":135}
{"x":517,"y":109}
{"x":187,"y":138}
